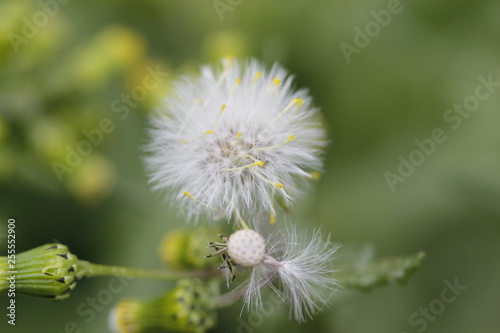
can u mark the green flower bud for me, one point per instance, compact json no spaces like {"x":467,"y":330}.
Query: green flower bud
{"x":188,"y":307}
{"x":113,"y":49}
{"x":49,"y":137}
{"x":186,"y":248}
{"x":93,"y":179}
{"x":49,"y":271}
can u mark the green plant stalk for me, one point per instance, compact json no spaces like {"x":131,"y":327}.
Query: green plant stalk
{"x":52,"y":271}
{"x":92,"y":270}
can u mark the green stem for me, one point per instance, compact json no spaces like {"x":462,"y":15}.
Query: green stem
{"x":90,"y":270}
{"x":235,"y":295}
{"x":243,"y":224}
{"x":52,"y":271}
{"x":229,"y":298}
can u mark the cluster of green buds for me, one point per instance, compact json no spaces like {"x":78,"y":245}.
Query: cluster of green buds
{"x":54,"y":129}
{"x":188,"y":307}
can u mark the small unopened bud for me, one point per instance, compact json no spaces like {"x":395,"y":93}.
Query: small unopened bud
{"x":188,"y":307}
{"x":185,"y":249}
{"x":48,"y":271}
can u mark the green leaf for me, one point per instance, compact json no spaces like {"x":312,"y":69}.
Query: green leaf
{"x":387,"y":271}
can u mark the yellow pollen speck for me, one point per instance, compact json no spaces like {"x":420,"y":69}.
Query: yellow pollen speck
{"x":315,"y":175}
{"x":298,"y":101}
{"x":239,"y":135}
{"x":260,"y":163}
{"x":184,"y":141}
{"x":278,"y":185}
{"x":208,"y":132}
{"x":222,"y":107}
{"x":272,"y":218}
{"x":276,"y":81}
{"x":256,"y":77}
{"x":189,"y":195}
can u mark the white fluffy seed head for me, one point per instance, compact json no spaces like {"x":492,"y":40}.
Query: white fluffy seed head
{"x":234,"y":138}
{"x":246,"y":247}
{"x":298,"y":268}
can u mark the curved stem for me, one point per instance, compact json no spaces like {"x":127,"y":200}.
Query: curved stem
{"x":234,"y":295}
{"x":230,"y":298}
{"x":243,"y":224}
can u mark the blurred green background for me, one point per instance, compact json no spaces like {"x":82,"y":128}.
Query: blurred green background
{"x":62,"y":75}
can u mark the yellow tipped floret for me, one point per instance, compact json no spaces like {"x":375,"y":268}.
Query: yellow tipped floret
{"x":199,"y":136}
{"x":272,"y":218}
{"x":289,"y":139}
{"x":238,"y":137}
{"x":190,"y":196}
{"x":236,"y":83}
{"x":256,"y":77}
{"x":278,"y":185}
{"x":274,"y":84}
{"x":298,"y":101}
{"x":221,"y":111}
{"x":223,"y":106}
{"x":188,"y":116}
{"x":257,"y":163}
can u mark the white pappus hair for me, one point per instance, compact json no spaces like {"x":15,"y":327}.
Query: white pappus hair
{"x":298,"y":269}
{"x":234,"y":140}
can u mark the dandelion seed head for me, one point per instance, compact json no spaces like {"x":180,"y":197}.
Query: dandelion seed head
{"x":234,"y":137}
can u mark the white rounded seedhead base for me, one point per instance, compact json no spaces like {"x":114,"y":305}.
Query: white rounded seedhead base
{"x":246,"y":247}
